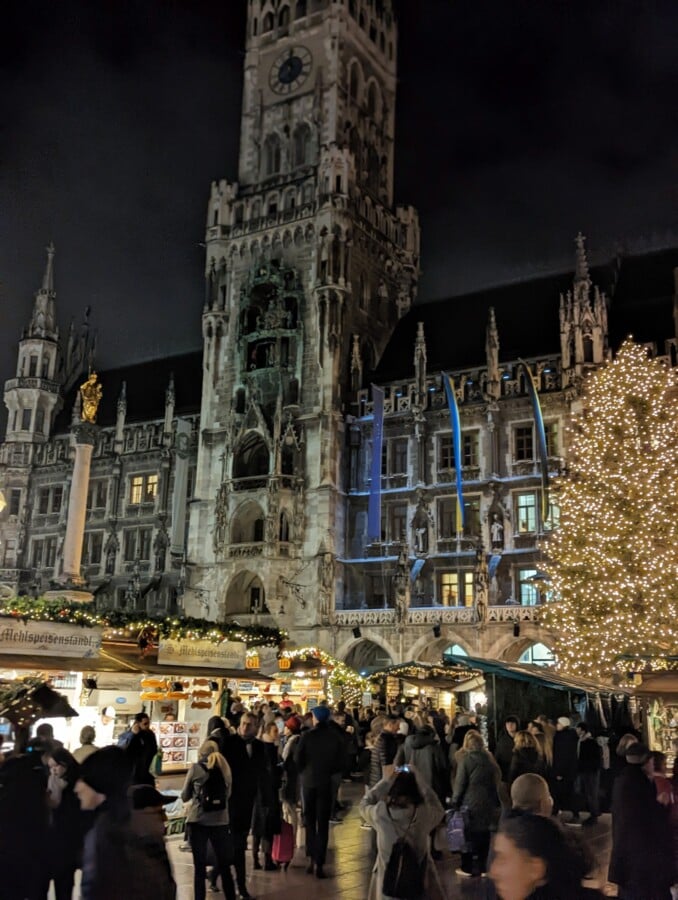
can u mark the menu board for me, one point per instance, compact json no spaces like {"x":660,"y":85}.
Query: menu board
{"x":179,"y":741}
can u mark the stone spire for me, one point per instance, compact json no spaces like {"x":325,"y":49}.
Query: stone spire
{"x":420,"y":364}
{"x":43,"y":319}
{"x":581,"y":271}
{"x":492,"y":356}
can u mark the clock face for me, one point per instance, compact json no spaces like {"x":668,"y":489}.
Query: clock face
{"x":290,"y":70}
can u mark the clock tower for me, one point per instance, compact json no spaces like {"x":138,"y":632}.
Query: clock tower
{"x":309,"y":267}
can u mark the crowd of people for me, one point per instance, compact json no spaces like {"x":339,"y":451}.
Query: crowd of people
{"x":269,"y":778}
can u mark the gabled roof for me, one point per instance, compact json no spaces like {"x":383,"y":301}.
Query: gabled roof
{"x":639,"y":290}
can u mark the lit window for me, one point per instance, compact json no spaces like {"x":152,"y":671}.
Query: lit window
{"x":526,"y":512}
{"x":523,"y":443}
{"x":527,"y":587}
{"x":151,"y":488}
{"x":538,"y":655}
{"x":136,"y":492}
{"x":553,"y":518}
{"x":456,"y":588}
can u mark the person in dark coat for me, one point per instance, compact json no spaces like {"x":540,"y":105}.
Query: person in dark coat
{"x":475,"y":787}
{"x":422,"y":750}
{"x":642,"y":862}
{"x":252,"y":777}
{"x":503,"y":751}
{"x":117,"y":861}
{"x":217,"y":732}
{"x":564,"y":771}
{"x":140,"y":746}
{"x":266,"y":816}
{"x":23,"y":824}
{"x":320,"y":755}
{"x":589,"y":764}
{"x":67,"y":824}
{"x":383,"y":751}
{"x":525,"y":757}
{"x":464,"y":724}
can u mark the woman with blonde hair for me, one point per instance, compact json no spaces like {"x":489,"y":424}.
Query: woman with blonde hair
{"x":525,"y":757}
{"x":208,"y":788}
{"x":476,"y":787}
{"x":544,"y":750}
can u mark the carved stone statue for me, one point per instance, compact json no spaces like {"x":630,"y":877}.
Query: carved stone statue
{"x":481,"y":584}
{"x":90,"y":393}
{"x":402,"y":588}
{"x":420,"y":527}
{"x":497,"y":532}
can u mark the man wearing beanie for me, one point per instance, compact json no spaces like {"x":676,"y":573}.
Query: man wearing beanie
{"x":115,"y":856}
{"x":320,"y":754}
{"x":642,"y":862}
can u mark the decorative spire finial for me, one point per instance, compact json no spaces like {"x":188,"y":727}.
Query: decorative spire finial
{"x":48,"y":277}
{"x":581,"y":272}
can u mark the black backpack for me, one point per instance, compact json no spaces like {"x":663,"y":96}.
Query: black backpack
{"x":212,"y":794}
{"x":404,"y":874}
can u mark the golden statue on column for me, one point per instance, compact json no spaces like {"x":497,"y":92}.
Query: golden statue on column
{"x":90,"y":395}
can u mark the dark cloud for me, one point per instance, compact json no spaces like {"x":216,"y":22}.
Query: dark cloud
{"x":518,"y":124}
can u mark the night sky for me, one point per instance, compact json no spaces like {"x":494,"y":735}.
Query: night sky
{"x":518,"y":125}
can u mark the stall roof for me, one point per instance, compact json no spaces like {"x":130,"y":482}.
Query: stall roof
{"x":464,"y":667}
{"x":113,"y":660}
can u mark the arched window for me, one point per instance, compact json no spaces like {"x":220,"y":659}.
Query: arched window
{"x":300,"y":9}
{"x":267,"y":24}
{"x":588,"y":348}
{"x":538,"y":655}
{"x":284,"y":529}
{"x":284,"y":17}
{"x":240,"y":400}
{"x":302,"y":146}
{"x":251,"y":458}
{"x":272,"y":155}
{"x":372,"y":170}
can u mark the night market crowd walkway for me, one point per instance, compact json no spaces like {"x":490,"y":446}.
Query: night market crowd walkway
{"x":349,"y":864}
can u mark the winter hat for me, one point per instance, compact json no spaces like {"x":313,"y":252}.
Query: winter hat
{"x":321,"y":713}
{"x":637,"y":753}
{"x":107,"y":772}
{"x":144,"y":796}
{"x":564,"y":721}
{"x":293,"y":723}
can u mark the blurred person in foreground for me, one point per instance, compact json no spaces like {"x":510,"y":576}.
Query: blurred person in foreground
{"x":403,"y":805}
{"x":534,"y":860}
{"x":118,"y":862}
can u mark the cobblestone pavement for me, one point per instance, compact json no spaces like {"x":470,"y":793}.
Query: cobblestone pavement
{"x":349,"y":864}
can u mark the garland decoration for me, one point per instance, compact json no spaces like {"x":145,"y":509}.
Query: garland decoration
{"x":339,"y":675}
{"x":120,"y":623}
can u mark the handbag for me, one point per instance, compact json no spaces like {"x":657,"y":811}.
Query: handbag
{"x":455,"y":827}
{"x":155,"y":767}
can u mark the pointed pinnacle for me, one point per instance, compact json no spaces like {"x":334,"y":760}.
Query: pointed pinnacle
{"x":48,"y":277}
{"x":581,"y":272}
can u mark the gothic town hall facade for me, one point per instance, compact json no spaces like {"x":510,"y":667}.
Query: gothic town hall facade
{"x":233,"y":483}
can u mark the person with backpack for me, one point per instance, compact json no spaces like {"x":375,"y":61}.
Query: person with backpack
{"x":403,"y":810}
{"x":208,"y":786}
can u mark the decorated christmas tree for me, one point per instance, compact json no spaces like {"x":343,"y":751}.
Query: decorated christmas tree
{"x":613,"y":563}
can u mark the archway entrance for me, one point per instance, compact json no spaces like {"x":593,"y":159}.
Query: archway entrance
{"x":366,"y":657}
{"x":245,"y":595}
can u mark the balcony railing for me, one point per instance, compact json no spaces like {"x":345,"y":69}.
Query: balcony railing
{"x":436,"y":615}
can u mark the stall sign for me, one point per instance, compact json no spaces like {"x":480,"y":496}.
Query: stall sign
{"x":252,"y":662}
{"x":246,"y":687}
{"x":284,"y":662}
{"x":226,"y":655}
{"x":49,"y":639}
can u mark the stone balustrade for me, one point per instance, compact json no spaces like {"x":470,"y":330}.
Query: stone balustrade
{"x":434,"y":615}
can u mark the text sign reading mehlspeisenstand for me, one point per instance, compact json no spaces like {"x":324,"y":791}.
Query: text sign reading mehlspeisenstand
{"x":226,"y":655}
{"x":49,"y":639}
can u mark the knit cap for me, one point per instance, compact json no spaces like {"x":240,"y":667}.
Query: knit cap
{"x":107,"y":772}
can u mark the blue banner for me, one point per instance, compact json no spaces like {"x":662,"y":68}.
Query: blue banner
{"x":416,"y":569}
{"x":541,"y":440}
{"x":374,"y":505}
{"x":456,"y":438}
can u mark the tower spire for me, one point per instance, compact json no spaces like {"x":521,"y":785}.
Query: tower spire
{"x":581,"y":271}
{"x":43,"y":319}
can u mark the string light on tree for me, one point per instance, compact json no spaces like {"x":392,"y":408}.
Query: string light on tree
{"x":613,"y":563}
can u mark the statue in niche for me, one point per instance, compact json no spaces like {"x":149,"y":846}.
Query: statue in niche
{"x":326,"y":568}
{"x":497,"y":532}
{"x":402,"y":587}
{"x":420,"y":527}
